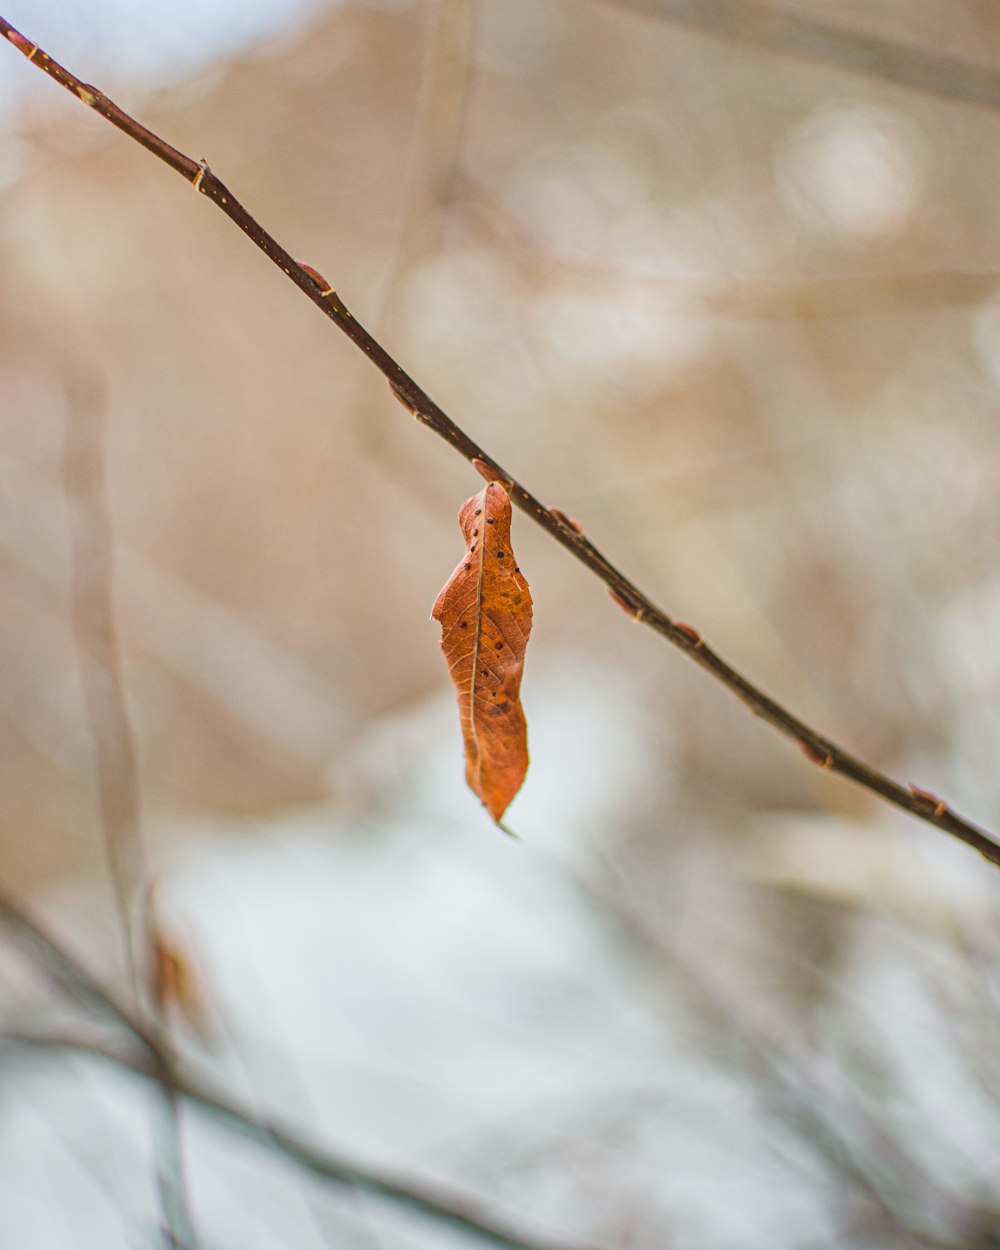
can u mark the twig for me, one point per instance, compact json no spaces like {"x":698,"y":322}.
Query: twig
{"x":778,"y":30}
{"x":116,"y":754}
{"x":171,"y":1180}
{"x":817,"y":748}
{"x":93,"y":568}
{"x":68,"y":974}
{"x":792,"y":1091}
{"x":770,"y":299}
{"x":457,"y":1211}
{"x":427,"y":189}
{"x":150,"y":1062}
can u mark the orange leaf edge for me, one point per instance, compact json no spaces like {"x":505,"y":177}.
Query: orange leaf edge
{"x":484,"y":610}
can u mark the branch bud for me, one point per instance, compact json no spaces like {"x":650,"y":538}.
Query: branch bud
{"x":823,"y":758}
{"x":566,"y":521}
{"x":630,"y":609}
{"x":317,"y":277}
{"x":932,"y":800}
{"x":492,"y":474}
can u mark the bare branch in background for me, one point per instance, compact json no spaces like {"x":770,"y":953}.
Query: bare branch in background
{"x":795,"y":1094}
{"x":93,"y":564}
{"x":766,"y":299}
{"x":67,"y":974}
{"x":793,"y":1090}
{"x":449,"y":1208}
{"x":774,"y":29}
{"x":429,"y":183}
{"x":148,"y":1061}
{"x":145,"y":1056}
{"x":442,"y":110}
{"x":115,"y":749}
{"x":817,"y":748}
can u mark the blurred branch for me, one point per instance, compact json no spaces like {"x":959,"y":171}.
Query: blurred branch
{"x":448,"y":1208}
{"x":802,"y":298}
{"x":67,"y":974}
{"x":243,"y":673}
{"x":848,"y":296}
{"x":792,"y":1090}
{"x":817,"y":748}
{"x":151,"y":1061}
{"x":774,"y":29}
{"x":99,"y":656}
{"x":791,"y":1095}
{"x":116,"y":753}
{"x":442,"y":111}
{"x":427,"y":189}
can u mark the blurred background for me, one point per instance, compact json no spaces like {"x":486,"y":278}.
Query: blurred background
{"x":732,"y":306}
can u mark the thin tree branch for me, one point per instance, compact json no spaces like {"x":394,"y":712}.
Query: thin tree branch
{"x":69,"y":975}
{"x":458,"y":1211}
{"x":793,"y":1091}
{"x":116,"y":753}
{"x":776,"y":29}
{"x":427,"y":189}
{"x":95,"y":628}
{"x":771,"y":299}
{"x":73,"y":979}
{"x":149,"y":1062}
{"x":145,"y":1057}
{"x":817,"y":748}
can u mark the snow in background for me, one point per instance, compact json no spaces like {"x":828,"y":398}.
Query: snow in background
{"x":426,"y":993}
{"x":397,"y":978}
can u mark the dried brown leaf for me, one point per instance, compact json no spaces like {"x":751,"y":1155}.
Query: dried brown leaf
{"x":485,"y":614}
